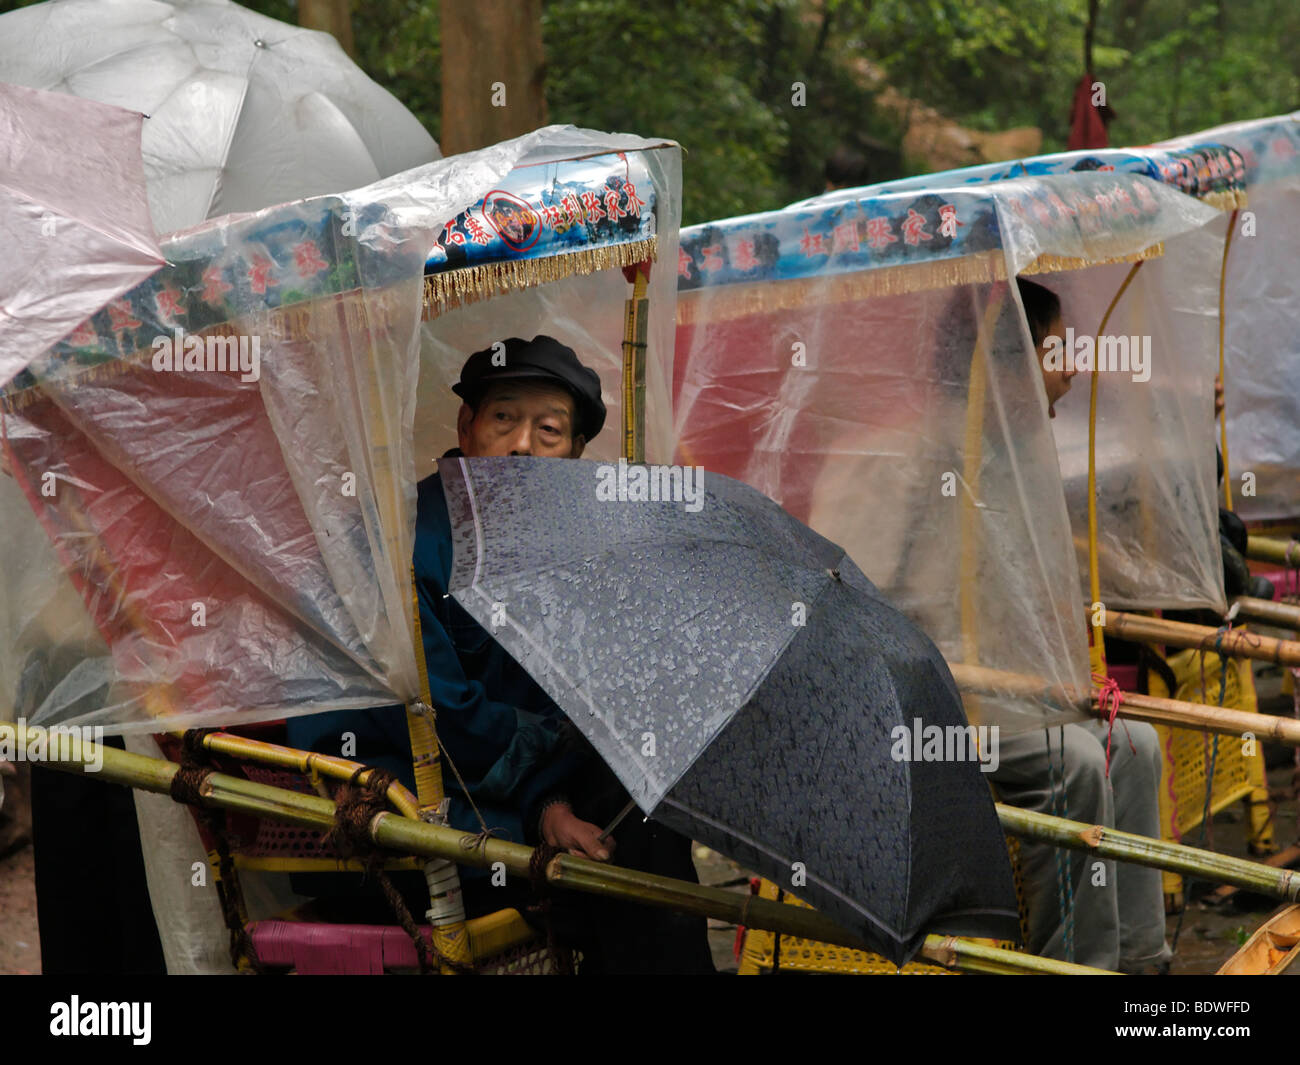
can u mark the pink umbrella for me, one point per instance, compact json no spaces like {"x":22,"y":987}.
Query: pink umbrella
{"x":74,"y":217}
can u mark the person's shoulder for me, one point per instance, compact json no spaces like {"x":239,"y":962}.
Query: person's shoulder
{"x":429,"y":489}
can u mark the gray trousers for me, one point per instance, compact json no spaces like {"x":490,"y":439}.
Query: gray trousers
{"x":1119,"y":911}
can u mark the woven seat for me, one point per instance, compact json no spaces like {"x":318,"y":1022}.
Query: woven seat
{"x":1189,"y":752}
{"x":765,"y":952}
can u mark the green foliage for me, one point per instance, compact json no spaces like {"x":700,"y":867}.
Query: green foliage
{"x":988,"y":65}
{"x":618,"y":66}
{"x":719,"y":77}
{"x":1196,"y":64}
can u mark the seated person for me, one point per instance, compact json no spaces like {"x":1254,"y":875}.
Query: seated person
{"x":1119,"y":911}
{"x":529,"y":772}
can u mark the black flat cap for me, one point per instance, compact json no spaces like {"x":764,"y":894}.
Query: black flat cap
{"x":542,"y":358}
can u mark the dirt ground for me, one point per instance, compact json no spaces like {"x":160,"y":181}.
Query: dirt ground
{"x":20,"y":947}
{"x":1207,"y":938}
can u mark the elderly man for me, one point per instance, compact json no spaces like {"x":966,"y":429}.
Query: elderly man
{"x":527,"y":770}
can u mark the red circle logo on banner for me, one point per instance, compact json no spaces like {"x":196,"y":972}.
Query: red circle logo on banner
{"x":514,"y":220}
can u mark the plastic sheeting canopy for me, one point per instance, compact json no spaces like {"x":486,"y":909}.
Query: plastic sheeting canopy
{"x":223,"y":461}
{"x":1157,"y":524}
{"x":1262,"y":306}
{"x":864,"y":361}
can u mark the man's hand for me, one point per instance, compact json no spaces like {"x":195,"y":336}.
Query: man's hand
{"x":1218,"y":396}
{"x":561,"y":828}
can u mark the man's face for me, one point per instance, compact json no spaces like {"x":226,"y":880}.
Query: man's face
{"x":521,"y":418}
{"x":1056,"y":382}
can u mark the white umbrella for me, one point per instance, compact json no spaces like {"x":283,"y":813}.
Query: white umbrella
{"x":243,"y":111}
{"x":74,"y":224}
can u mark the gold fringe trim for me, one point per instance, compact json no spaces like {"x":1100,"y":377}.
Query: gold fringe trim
{"x":1226,"y":200}
{"x":455,"y":288}
{"x":983,"y":268}
{"x":757,"y":297}
{"x":365,"y":312}
{"x":1055,"y":264}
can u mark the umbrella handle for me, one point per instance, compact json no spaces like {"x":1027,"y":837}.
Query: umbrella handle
{"x":615,"y":823}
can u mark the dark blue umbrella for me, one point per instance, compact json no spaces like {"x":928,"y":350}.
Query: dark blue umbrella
{"x":744,"y":680}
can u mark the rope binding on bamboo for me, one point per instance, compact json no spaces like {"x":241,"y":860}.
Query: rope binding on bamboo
{"x":561,"y":955}
{"x":187,"y":787}
{"x":356,"y":805}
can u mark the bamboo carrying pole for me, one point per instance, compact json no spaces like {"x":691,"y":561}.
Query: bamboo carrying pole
{"x":982,"y":680}
{"x":1222,"y":720}
{"x":1269,"y":549}
{"x":1140,"y":850}
{"x":1283,"y":859}
{"x":1226,"y":721}
{"x":305,"y":762}
{"x":972,"y":957}
{"x":428,"y":840}
{"x":1270,"y":612}
{"x":1223,"y":366}
{"x":1234,"y":643}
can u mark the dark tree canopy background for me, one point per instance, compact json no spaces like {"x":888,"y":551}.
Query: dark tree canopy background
{"x":719,"y":75}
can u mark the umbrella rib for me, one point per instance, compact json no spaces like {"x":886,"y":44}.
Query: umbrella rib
{"x":123,"y":239}
{"x":224,"y":159}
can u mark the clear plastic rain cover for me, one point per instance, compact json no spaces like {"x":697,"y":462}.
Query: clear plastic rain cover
{"x":1157,"y":501}
{"x":1262,"y":306}
{"x":865,"y":363}
{"x":210,"y":507}
{"x":1157,"y":524}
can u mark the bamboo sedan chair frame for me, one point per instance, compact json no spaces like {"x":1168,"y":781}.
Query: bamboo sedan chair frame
{"x":1271,"y":172}
{"x":1155,"y":710}
{"x":344,"y":299}
{"x":487,"y":935}
{"x":763,"y":950}
{"x":1236,"y":775}
{"x":1248,"y":782}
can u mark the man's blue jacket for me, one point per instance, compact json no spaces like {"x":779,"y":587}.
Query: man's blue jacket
{"x":512,"y":744}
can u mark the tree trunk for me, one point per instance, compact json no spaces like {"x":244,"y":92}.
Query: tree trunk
{"x":493,"y":71}
{"x":1089,"y":35}
{"x":331,"y":16}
